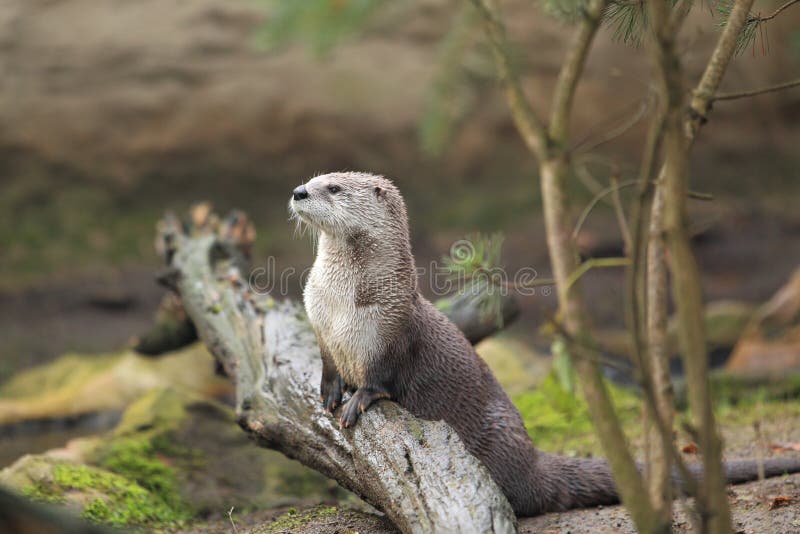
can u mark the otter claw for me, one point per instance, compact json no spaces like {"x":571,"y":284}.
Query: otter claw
{"x":332,"y":391}
{"x":358,"y":404}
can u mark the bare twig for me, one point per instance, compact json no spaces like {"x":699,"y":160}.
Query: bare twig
{"x":657,"y":390}
{"x":530,"y":127}
{"x":774,"y":13}
{"x":230,"y":518}
{"x":593,"y":352}
{"x":600,"y":194}
{"x":756,"y":92}
{"x":597,"y":198}
{"x":639,"y":113}
{"x":571,"y":70}
{"x":697,"y":195}
{"x":585,"y":176}
{"x":620,"y":212}
{"x":594,"y":263}
{"x":703,"y":95}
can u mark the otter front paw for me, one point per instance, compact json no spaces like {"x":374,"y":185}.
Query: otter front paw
{"x":331,"y":389}
{"x":358,"y":404}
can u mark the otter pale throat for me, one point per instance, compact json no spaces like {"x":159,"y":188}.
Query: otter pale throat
{"x":380,"y":339}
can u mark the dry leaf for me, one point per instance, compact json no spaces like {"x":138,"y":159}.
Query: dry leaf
{"x":778,"y":502}
{"x":691,"y":448}
{"x":785,"y":447}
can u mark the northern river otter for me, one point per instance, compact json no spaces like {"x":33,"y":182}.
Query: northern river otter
{"x":381,"y":339}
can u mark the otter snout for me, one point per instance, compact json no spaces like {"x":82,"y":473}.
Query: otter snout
{"x":300,"y":193}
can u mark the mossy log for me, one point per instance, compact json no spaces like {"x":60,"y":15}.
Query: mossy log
{"x":417,"y":472}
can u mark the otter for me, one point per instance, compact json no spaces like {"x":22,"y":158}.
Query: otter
{"x":379,"y":338}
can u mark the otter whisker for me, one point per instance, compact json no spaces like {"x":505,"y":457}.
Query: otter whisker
{"x":301,"y":227}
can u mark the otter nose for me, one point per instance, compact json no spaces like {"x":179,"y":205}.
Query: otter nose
{"x":300,"y":193}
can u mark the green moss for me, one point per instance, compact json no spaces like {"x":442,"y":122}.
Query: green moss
{"x":731,"y":390}
{"x":416,"y":429}
{"x":112,"y":499}
{"x":759,"y":407}
{"x":558,"y":421}
{"x":43,"y":493}
{"x":143,"y":447}
{"x":137,"y":460}
{"x":98,"y":511}
{"x":48,"y":233}
{"x":292,"y":520}
{"x":158,"y":410}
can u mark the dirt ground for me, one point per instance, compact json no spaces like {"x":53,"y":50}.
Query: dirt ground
{"x":756,"y":509}
{"x":768,"y":506}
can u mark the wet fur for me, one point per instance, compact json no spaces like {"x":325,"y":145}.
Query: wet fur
{"x":379,"y":337}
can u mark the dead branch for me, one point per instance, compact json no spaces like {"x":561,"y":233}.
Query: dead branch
{"x":756,"y":92}
{"x":774,"y":13}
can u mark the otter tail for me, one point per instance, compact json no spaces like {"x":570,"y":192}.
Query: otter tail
{"x":574,"y":483}
{"x":739,"y":471}
{"x":587,"y":482}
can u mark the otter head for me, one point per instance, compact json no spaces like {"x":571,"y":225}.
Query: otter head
{"x":344,"y":204}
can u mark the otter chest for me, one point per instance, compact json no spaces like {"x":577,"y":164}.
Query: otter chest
{"x":348,"y":329}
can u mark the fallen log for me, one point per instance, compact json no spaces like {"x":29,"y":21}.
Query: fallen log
{"x":417,"y":472}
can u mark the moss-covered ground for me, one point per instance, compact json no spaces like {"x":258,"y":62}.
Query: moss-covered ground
{"x":107,"y":497}
{"x":132,"y":478}
{"x":558,"y":420}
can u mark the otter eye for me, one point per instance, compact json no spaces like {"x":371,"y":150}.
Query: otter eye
{"x":333,"y":189}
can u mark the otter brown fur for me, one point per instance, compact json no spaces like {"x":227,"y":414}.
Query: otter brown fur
{"x":379,"y":338}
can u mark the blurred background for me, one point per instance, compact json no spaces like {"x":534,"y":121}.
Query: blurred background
{"x":113,"y":111}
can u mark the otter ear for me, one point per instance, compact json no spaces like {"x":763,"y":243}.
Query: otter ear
{"x":380,"y":192}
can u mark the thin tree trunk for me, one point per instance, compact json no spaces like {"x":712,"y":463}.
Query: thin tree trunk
{"x":660,"y":465}
{"x":564,"y":259}
{"x":679,"y":134}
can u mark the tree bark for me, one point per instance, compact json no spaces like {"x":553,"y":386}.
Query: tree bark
{"x":679,"y":133}
{"x":417,"y":472}
{"x":660,"y":464}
